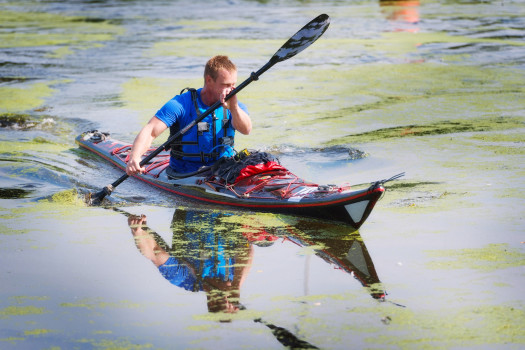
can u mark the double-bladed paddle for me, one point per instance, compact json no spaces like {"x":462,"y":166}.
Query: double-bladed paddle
{"x":297,"y":43}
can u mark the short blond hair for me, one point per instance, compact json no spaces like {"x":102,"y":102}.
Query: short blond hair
{"x":217,"y":63}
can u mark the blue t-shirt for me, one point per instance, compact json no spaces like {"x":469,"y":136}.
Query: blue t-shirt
{"x":180,"y":109}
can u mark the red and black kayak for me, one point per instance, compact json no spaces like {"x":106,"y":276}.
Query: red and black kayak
{"x":266,"y":187}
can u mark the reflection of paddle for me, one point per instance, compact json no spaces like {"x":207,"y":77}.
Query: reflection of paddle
{"x":287,"y":338}
{"x":297,"y":43}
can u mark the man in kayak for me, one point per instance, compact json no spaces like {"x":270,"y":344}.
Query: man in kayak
{"x":210,"y":139}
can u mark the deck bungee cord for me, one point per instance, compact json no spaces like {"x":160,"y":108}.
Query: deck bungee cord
{"x":281,"y":181}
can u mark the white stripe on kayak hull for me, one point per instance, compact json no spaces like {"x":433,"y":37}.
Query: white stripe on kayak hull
{"x":356,"y":210}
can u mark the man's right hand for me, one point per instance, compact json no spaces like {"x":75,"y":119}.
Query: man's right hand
{"x":133,"y":167}
{"x":142,"y":143}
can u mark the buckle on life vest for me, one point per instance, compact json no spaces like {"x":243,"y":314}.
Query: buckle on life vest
{"x":203,"y":127}
{"x":226,"y":140}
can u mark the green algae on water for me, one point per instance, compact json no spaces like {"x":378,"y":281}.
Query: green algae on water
{"x":146,"y":95}
{"x":37,"y":332}
{"x":489,"y":258}
{"x":13,"y":340}
{"x":23,"y":298}
{"x":437,"y":128}
{"x":405,"y":42}
{"x":47,"y":29}
{"x":510,"y":143}
{"x":24,"y":121}
{"x":518,"y":137}
{"x":15,"y":119}
{"x":17,"y":150}
{"x":67,"y":205}
{"x":342,"y":102}
{"x":421,"y":196}
{"x":395,"y":44}
{"x":449,"y":328}
{"x":21,"y":311}
{"x":14,"y":99}
{"x":14,"y":193}
{"x":206,"y":48}
{"x":8,"y":231}
{"x":96,"y":303}
{"x":69,"y":197}
{"x":254,"y":222}
{"x":206,"y":25}
{"x":120,"y":343}
{"x":60,"y":52}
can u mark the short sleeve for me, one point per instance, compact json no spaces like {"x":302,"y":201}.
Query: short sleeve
{"x":170,"y":112}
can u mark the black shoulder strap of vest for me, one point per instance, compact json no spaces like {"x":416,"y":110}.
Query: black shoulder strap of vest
{"x":193,"y":99}
{"x":225,"y":122}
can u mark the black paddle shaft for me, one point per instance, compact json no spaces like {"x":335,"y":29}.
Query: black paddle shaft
{"x":297,"y":43}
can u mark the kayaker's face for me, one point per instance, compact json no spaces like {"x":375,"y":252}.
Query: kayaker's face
{"x":223,"y":85}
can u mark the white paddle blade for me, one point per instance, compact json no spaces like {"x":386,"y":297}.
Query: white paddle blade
{"x":303,"y":38}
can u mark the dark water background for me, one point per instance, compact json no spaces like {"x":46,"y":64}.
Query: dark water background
{"x":432,"y":88}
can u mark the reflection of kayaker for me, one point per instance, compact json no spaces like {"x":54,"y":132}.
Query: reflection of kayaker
{"x":209,"y":256}
{"x":212,"y":252}
{"x":200,"y":259}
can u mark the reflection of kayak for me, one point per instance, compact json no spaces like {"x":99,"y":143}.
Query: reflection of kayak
{"x":345,"y":252}
{"x":212,"y":252}
{"x":221,"y":239}
{"x":271,"y":190}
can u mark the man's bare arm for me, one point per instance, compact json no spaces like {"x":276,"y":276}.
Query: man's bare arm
{"x":142,"y":143}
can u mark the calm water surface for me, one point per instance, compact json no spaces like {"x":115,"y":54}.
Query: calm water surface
{"x":432,"y":88}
